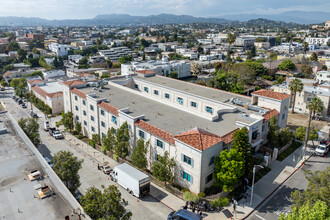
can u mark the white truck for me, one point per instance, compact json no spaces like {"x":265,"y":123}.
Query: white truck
{"x":131,"y":179}
{"x":46,"y":125}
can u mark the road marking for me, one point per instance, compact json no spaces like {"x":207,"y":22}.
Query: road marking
{"x":260,"y":217}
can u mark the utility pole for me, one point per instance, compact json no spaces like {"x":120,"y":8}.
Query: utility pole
{"x":254,"y":172}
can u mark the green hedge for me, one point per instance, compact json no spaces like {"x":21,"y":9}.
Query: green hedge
{"x":294,"y":146}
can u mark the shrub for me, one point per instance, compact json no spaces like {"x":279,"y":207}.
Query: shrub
{"x":220,"y":202}
{"x":92,"y":143}
{"x":201,"y":195}
{"x":80,"y":136}
{"x":267,"y":77}
{"x":184,"y":190}
{"x":188,"y":196}
{"x":294,"y":146}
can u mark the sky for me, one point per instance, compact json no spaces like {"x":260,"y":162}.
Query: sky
{"x":79,"y":9}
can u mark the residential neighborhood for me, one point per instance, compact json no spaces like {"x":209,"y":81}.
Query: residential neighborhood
{"x":165,"y":116}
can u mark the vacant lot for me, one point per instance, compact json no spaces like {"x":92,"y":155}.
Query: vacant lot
{"x":297,"y":120}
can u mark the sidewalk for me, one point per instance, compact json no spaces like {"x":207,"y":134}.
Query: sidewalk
{"x":269,"y":183}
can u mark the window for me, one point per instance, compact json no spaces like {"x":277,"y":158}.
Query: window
{"x":102,"y":112}
{"x":102,"y":124}
{"x":309,"y":99}
{"x":92,"y":118}
{"x":103,"y":135}
{"x":179,"y":100}
{"x":84,"y":102}
{"x":77,"y":118}
{"x":76,"y":107}
{"x":209,"y":178}
{"x":255,"y":135}
{"x":211,"y":161}
{"x":136,"y":86}
{"x":208,"y":109}
{"x":85,"y":123}
{"x":84,"y":112}
{"x":263,"y":128}
{"x":91,"y":107}
{"x":167,"y":95}
{"x":114,"y":119}
{"x":193,"y":104}
{"x":146,"y":89}
{"x":160,"y":144}
{"x":156,"y":92}
{"x":283,"y":116}
{"x":187,"y":160}
{"x":156,"y":157}
{"x":76,"y":98}
{"x":93,"y":129}
{"x":141,"y":134}
{"x":186,"y":176}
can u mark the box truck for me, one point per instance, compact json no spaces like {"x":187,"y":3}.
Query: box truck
{"x":131,"y":179}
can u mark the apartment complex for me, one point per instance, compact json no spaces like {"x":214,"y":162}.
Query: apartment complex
{"x":191,"y":122}
{"x":116,"y":52}
{"x":59,"y":49}
{"x":311,"y":89}
{"x":163,"y":68}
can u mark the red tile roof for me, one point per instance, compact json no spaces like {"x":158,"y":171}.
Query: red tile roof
{"x":268,"y":115}
{"x":145,"y":72}
{"x":156,"y":131}
{"x":34,"y":81}
{"x":78,"y":92}
{"x":39,"y":90}
{"x":271,"y":94}
{"x":73,"y":82}
{"x":108,"y":107}
{"x":199,"y":138}
{"x":229,"y":137}
{"x":55,"y":94}
{"x":6,"y":74}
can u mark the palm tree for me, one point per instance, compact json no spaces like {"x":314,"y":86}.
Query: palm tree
{"x":314,"y":106}
{"x":231,"y":39}
{"x":305,"y":45}
{"x":295,"y":86}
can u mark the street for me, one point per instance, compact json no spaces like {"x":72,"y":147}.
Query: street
{"x":280,"y":202}
{"x":146,"y":208}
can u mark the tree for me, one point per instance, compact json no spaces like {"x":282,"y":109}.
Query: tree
{"x":162,"y":168}
{"x":174,"y":75}
{"x":55,"y":62}
{"x":245,"y":72}
{"x":104,"y":205}
{"x":295,"y":86}
{"x":280,"y":80}
{"x":306,"y":70}
{"x":242,"y":144}
{"x":83,"y":63}
{"x":319,"y":210}
{"x":109,"y":141}
{"x":109,"y":63}
{"x":78,"y":128}
{"x":287,"y":65}
{"x":285,"y":136}
{"x":300,"y":133}
{"x":195,"y":69}
{"x":30,"y":127}
{"x":231,"y":38}
{"x":305,"y":46}
{"x":138,"y":157}
{"x":60,"y":62}
{"x":66,"y":166}
{"x":21,"y":55}
{"x":314,"y":106}
{"x":12,"y":46}
{"x":66,"y":121}
{"x":96,"y":138}
{"x":314,"y":57}
{"x":253,"y":52}
{"x":228,"y":169}
{"x":318,"y":189}
{"x":19,"y":86}
{"x":273,"y":135}
{"x":122,"y":143}
{"x":324,"y":67}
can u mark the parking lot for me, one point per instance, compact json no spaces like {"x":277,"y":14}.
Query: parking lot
{"x":146,"y":208}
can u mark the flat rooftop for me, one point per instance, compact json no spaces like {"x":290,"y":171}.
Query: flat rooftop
{"x":164,"y":116}
{"x":51,"y":87}
{"x":18,"y":197}
{"x":210,"y":93}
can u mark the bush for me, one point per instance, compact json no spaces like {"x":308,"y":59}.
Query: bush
{"x":220,"y":202}
{"x":188,"y":196}
{"x":294,"y":146}
{"x":80,"y":136}
{"x":212,"y":190}
{"x":185,"y":190}
{"x":92,"y":143}
{"x":201,"y":195}
{"x":267,"y":77}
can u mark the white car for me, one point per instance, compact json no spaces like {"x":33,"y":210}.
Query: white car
{"x":57,"y":134}
{"x":322,"y":150}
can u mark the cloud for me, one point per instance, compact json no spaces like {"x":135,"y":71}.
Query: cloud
{"x":63,"y":9}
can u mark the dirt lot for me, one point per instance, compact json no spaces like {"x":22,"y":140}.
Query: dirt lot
{"x":297,"y":120}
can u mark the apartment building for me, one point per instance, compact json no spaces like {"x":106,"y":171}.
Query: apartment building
{"x":59,"y":49}
{"x":323,"y":76}
{"x":50,"y":93}
{"x":116,"y":52}
{"x":35,"y":36}
{"x":311,"y":89}
{"x":163,"y":67}
{"x":192,"y":123}
{"x":318,"y":40}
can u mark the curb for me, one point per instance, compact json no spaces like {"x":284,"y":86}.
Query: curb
{"x":296,"y":169}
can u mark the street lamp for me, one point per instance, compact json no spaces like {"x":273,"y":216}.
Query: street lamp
{"x":254,"y":172}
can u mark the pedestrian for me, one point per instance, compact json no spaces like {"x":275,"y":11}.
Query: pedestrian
{"x":200,"y":213}
{"x":191,"y":204}
{"x":193,"y":210}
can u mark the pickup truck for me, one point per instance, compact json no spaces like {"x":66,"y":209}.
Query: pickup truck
{"x":322,"y":150}
{"x":55,"y":133}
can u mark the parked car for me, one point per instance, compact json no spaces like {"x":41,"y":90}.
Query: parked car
{"x":106,"y":169}
{"x":14,"y":97}
{"x":57,"y":134}
{"x":322,"y":150}
{"x":33,"y":115}
{"x":22,"y":105}
{"x":46,"y":126}
{"x":184,"y":215}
